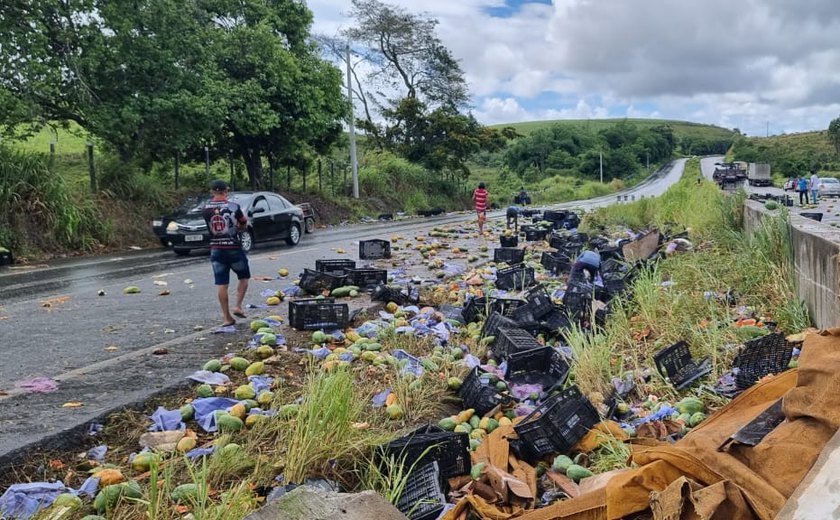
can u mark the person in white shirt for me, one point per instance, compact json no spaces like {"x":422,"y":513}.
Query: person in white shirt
{"x":815,"y":187}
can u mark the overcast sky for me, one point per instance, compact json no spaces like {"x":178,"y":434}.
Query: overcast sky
{"x":733,"y":63}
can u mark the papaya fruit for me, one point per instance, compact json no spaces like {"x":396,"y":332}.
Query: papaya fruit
{"x":228,"y":423}
{"x":257,"y":325}
{"x":255,"y":369}
{"x":447,"y":424}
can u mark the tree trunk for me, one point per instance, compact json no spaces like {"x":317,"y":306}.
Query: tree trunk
{"x":252,"y":156}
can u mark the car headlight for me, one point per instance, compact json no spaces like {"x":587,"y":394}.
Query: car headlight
{"x":157,"y":223}
{"x":172,"y":227}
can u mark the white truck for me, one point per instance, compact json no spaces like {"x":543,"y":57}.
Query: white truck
{"x":758,"y":174}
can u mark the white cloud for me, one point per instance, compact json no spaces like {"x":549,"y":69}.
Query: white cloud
{"x":721,"y":62}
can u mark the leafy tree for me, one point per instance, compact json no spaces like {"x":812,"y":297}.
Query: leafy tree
{"x":152,"y":76}
{"x":834,"y":133}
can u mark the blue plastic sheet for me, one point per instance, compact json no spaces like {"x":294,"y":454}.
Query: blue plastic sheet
{"x":320,"y":352}
{"x":95,"y":429}
{"x":292,"y":290}
{"x":166,"y":420}
{"x":228,"y":329}
{"x":97,"y":453}
{"x":22,"y":501}
{"x":378,"y":401}
{"x":261,"y":383}
{"x":268,"y":293}
{"x":211,"y":378}
{"x":200,"y":452}
{"x":413,"y":366}
{"x":205,"y":409}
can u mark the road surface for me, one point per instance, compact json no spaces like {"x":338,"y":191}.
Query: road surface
{"x":100,"y":349}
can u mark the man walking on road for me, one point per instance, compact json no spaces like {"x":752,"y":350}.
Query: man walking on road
{"x":802,"y":188}
{"x":481,"y":198}
{"x":815,"y":187}
{"x":225,"y":220}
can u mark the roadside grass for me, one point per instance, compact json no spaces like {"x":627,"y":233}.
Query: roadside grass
{"x":683,"y":297}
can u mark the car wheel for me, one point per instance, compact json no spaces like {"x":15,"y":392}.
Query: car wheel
{"x":310,"y":225}
{"x":246,"y":238}
{"x":181,"y":252}
{"x":294,"y":234}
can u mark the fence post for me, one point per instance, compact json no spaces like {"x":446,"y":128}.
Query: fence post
{"x":177,"y":169}
{"x":320,"y":187}
{"x":288,"y":177}
{"x":332,"y":176}
{"x":52,"y":153}
{"x":91,"y":167}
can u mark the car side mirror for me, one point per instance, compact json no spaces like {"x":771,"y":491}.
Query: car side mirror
{"x":255,"y":211}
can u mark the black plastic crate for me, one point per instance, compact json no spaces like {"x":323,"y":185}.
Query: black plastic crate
{"x":374,"y":249}
{"x":509,"y":241}
{"x":318,"y":314}
{"x":578,"y":300}
{"x":367,"y":278}
{"x":517,"y":277}
{"x":474,"y":309}
{"x":531,"y":213}
{"x":572,"y":221}
{"x":6,"y":258}
{"x":424,"y":496}
{"x":507,"y":307}
{"x":760,"y":357}
{"x":556,"y":323}
{"x":335,"y":266}
{"x":451,"y":450}
{"x":535,"y":234}
{"x":813,"y":216}
{"x":558,"y":423}
{"x":508,"y":255}
{"x":314,"y":282}
{"x":554,"y":216}
{"x":613,"y":265}
{"x":494,"y":322}
{"x":510,"y":340}
{"x":614,"y":282}
{"x":676,"y":364}
{"x":479,"y":395}
{"x":557,"y":240}
{"x":545,"y":366}
{"x":610,"y":253}
{"x":554,"y":263}
{"x":539,"y":301}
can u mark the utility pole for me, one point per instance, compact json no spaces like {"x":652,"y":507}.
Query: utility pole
{"x":601,"y":161}
{"x":354,"y":164}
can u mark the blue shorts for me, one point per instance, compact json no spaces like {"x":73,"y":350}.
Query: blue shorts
{"x":226,"y":260}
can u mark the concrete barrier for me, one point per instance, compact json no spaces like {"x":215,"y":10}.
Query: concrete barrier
{"x":815,"y":254}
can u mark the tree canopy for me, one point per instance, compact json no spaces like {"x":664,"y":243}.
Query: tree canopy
{"x":150,"y":77}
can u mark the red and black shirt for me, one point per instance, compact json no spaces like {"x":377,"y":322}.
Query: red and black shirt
{"x":222,"y":217}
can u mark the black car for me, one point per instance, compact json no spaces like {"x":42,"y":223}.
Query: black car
{"x":270,"y":217}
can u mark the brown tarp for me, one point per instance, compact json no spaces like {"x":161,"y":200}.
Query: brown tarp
{"x":693,"y":479}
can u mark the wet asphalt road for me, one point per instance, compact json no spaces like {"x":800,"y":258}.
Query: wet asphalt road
{"x":100,"y":348}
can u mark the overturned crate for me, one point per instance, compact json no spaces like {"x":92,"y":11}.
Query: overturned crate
{"x":474,"y":309}
{"x":510,"y":340}
{"x":374,"y":249}
{"x":761,"y":357}
{"x":424,"y":496}
{"x":451,"y":451}
{"x":335,"y":266}
{"x":545,"y":366}
{"x":508,"y":241}
{"x":555,"y":263}
{"x":557,"y":424}
{"x":480,"y":394}
{"x":367,"y":279}
{"x":315,"y":282}
{"x":318,"y":314}
{"x":676,"y":364}
{"x":517,"y":277}
{"x":494,"y":322}
{"x":508,"y":255}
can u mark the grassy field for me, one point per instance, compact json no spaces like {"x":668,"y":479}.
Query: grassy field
{"x":681,"y":128}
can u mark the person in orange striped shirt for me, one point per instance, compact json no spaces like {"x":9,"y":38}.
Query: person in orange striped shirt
{"x":481,"y":198}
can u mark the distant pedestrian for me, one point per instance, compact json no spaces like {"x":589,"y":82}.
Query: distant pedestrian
{"x":588,"y":262}
{"x":481,"y":197}
{"x":815,"y":187}
{"x":802,"y":188}
{"x":522,"y":198}
{"x":225,"y":220}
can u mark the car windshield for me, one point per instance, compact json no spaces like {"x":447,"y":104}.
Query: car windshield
{"x":195,"y":205}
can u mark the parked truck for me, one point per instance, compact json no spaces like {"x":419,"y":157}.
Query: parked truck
{"x":758,"y":174}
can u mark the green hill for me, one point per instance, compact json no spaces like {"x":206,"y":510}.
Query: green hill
{"x":681,"y":128}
